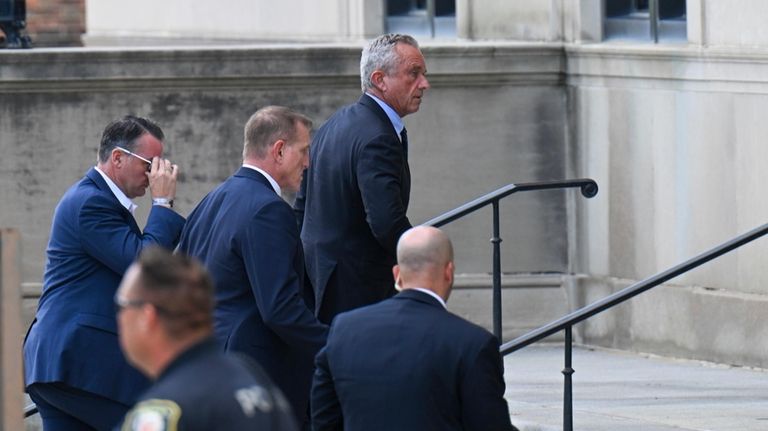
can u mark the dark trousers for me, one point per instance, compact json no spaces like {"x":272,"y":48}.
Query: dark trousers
{"x":64,"y":408}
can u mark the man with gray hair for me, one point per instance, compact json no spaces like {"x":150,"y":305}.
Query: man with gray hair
{"x":353,"y":200}
{"x":407,"y":363}
{"x":246,"y":235}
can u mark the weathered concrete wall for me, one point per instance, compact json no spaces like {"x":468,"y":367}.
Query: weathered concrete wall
{"x":675,"y":137}
{"x":532,"y":20}
{"x":495,"y":115}
{"x":734,"y":24}
{"x":119,"y":22}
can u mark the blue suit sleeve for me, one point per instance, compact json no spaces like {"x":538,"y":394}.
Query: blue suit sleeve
{"x":324,"y":403}
{"x":379,"y":170}
{"x":269,"y":254}
{"x":107,"y":234}
{"x":482,"y":392}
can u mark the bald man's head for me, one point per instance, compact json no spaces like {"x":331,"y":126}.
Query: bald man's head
{"x":425,"y":259}
{"x":423,"y":246}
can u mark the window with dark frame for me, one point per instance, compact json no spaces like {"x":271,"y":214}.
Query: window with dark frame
{"x":422,"y":18}
{"x":652,"y":20}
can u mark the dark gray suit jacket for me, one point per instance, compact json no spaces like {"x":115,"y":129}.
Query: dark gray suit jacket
{"x":352,"y":208}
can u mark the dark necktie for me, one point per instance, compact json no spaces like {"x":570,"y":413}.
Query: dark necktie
{"x":404,"y":140}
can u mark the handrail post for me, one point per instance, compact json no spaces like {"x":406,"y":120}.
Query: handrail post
{"x":11,"y":399}
{"x":567,"y":389}
{"x":496,"y":240}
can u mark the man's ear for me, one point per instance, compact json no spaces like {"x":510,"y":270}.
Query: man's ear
{"x":116,"y":157}
{"x":396,"y":275}
{"x":448,"y":273}
{"x":377,"y":79}
{"x":277,"y":149}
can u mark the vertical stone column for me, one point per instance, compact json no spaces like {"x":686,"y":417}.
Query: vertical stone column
{"x":11,"y":405}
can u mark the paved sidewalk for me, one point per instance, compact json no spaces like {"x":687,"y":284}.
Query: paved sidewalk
{"x":615,"y":390}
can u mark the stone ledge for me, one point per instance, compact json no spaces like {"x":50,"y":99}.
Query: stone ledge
{"x":529,"y":301}
{"x":665,"y":67}
{"x":690,"y":322}
{"x":268,"y":66}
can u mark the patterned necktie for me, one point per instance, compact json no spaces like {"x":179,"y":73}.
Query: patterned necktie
{"x":404,"y":140}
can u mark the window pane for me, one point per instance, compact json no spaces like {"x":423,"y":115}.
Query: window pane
{"x":411,"y":17}
{"x":671,"y":9}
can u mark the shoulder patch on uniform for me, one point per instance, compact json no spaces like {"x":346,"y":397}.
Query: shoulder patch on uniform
{"x":153,"y":415}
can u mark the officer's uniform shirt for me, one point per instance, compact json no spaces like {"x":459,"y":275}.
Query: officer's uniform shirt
{"x":205,"y":389}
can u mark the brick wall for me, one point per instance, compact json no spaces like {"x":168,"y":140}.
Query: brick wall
{"x":55,"y":22}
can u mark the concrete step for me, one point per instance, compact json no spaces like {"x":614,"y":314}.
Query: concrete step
{"x":617,"y":390}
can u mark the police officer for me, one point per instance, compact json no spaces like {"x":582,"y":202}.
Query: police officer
{"x":165,"y":305}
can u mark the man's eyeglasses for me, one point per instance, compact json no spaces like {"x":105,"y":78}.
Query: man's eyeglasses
{"x":130,"y":153}
{"x":122,"y":303}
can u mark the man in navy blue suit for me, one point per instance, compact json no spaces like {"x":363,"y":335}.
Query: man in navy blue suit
{"x":165,"y":320}
{"x":353,"y":201}
{"x":407,"y":363}
{"x":74,"y":369}
{"x":246,"y":235}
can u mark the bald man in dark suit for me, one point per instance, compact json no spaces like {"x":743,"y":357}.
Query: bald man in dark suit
{"x":407,"y":363}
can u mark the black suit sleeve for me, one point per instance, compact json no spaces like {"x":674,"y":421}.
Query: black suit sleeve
{"x":482,"y":392}
{"x":379,"y":176}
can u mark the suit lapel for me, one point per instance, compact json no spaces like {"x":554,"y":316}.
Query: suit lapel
{"x":371,"y":104}
{"x":98,"y":180}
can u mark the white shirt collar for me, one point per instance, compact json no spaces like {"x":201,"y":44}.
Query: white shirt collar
{"x":397,"y":122}
{"x":271,"y":180}
{"x":432,"y":294}
{"x":124,"y":200}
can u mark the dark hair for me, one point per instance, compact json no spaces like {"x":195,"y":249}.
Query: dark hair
{"x":124,"y":133}
{"x":179,"y":288}
{"x":269,"y":124}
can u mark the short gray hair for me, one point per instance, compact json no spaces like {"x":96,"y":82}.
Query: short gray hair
{"x":380,"y":54}
{"x":268,"y":125}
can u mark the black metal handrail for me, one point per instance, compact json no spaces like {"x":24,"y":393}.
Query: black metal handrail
{"x":30,"y":410}
{"x":566,"y":323}
{"x":588,"y":189}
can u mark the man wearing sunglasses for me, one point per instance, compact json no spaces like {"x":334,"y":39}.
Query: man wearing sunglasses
{"x":74,"y":369}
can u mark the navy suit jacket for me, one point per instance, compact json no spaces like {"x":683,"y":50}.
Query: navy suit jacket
{"x":74,"y":336}
{"x":408,"y":364}
{"x":246,"y":236}
{"x":352,"y":206}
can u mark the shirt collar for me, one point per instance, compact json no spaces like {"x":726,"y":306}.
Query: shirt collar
{"x":432,"y":294}
{"x":397,"y":122}
{"x":269,"y":178}
{"x":124,"y":200}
